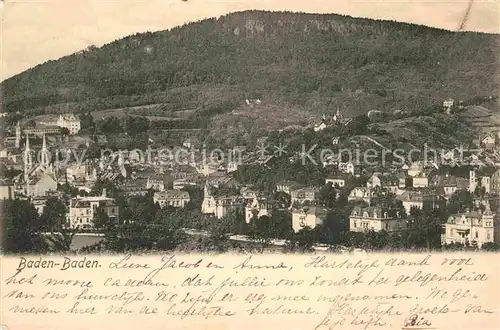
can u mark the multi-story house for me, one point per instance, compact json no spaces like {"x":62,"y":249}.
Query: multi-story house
{"x":81,"y":172}
{"x":386,"y":180}
{"x":421,"y":200}
{"x":83,"y":209}
{"x":448,"y":103}
{"x":221,"y":206}
{"x":257,"y":207}
{"x":156,"y":182}
{"x":41,"y":185}
{"x":308,"y":217}
{"x":287,"y":186}
{"x":361,"y":193}
{"x":415,"y":168}
{"x":402,"y":176}
{"x":6,"y":189}
{"x":421,"y":180}
{"x":337,"y":180}
{"x":448,"y":184}
{"x":488,"y":142}
{"x":308,"y":194}
{"x":249,"y":193}
{"x":347,"y":167}
{"x":469,"y":227}
{"x":69,"y":121}
{"x":175,"y":198}
{"x":484,"y":177}
{"x":376,"y":219}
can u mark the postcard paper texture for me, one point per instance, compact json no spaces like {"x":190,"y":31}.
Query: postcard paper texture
{"x":356,"y":291}
{"x":249,"y":165}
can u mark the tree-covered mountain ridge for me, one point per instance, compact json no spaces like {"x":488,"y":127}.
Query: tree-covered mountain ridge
{"x":313,"y":61}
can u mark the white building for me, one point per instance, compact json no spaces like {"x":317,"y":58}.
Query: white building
{"x":415,"y":169}
{"x":155,"y":182}
{"x":81,"y":172}
{"x":69,"y":121}
{"x":232,"y":166}
{"x":471,"y":227}
{"x":448,"y":103}
{"x":319,"y":127}
{"x":83,"y":209}
{"x":257,"y":207}
{"x":172,"y":197}
{"x":308,"y":194}
{"x":6,"y":189}
{"x":337,"y":180}
{"x":287,"y":186}
{"x":376,"y":219}
{"x":361,"y":193}
{"x":221,"y":206}
{"x":308,"y":217}
{"x":346,"y":167}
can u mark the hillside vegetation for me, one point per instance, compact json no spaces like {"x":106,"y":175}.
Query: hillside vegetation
{"x":311,"y":61}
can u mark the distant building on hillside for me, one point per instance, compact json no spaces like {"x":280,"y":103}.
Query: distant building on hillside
{"x":448,"y":104}
{"x":69,"y":121}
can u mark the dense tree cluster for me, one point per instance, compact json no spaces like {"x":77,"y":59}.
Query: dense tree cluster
{"x":324,"y":55}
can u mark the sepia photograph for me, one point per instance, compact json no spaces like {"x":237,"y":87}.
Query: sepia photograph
{"x":299,"y":132}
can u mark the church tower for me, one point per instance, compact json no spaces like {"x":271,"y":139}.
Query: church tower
{"x":28,"y":160}
{"x":28,"y":164}
{"x":206,"y":190}
{"x":44,"y":160}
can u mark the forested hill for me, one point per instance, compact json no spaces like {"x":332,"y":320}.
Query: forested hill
{"x":313,"y":61}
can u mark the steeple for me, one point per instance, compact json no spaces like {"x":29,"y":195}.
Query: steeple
{"x":206,"y":191}
{"x":45,"y":153}
{"x":487,"y":210}
{"x":28,"y":164}
{"x":28,"y":161}
{"x":336,"y":116}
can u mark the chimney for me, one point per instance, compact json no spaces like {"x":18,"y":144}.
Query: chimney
{"x":104,"y":192}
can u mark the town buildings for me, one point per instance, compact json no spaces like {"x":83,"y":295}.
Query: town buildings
{"x":83,"y":209}
{"x":337,"y":180}
{"x":37,"y":179}
{"x":287,"y":186}
{"x":303,"y":195}
{"x":221,"y":206}
{"x":69,"y":121}
{"x":361,"y":194}
{"x":257,"y":207}
{"x":308,"y":217}
{"x":420,"y":199}
{"x":376,"y":218}
{"x":473,"y":226}
{"x":384,"y":180}
{"x":6,"y":189}
{"x":171,"y":197}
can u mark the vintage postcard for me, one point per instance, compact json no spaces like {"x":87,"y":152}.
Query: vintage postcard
{"x":249,"y":164}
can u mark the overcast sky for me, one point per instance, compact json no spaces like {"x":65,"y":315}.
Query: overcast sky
{"x":34,"y":31}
